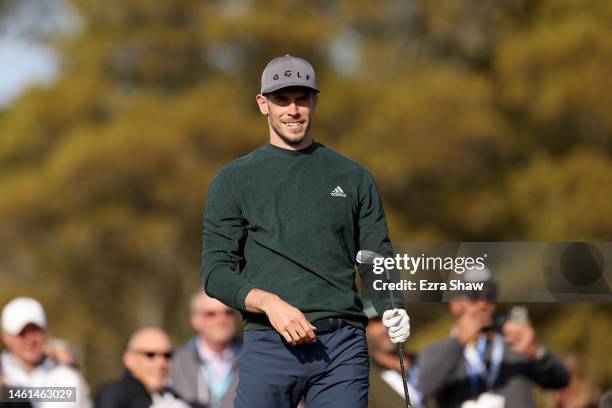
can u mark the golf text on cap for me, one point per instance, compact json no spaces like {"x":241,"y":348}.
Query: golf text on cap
{"x":288,"y":73}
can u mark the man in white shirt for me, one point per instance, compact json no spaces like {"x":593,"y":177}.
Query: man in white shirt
{"x":24,"y":364}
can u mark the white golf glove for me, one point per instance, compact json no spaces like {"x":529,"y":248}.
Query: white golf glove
{"x":397,"y":323}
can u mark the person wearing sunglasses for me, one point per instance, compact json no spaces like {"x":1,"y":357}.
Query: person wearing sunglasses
{"x":148,"y":361}
{"x":205,"y":370}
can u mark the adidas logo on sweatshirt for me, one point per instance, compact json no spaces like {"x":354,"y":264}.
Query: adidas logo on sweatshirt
{"x":337,"y":192}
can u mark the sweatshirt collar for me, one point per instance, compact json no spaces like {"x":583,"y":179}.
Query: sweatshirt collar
{"x":269,"y":147}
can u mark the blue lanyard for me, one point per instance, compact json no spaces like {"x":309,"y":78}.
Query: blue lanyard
{"x":217,"y":388}
{"x":475,"y":363}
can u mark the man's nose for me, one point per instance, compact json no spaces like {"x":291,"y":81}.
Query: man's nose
{"x":293,"y":109}
{"x":483,"y":305}
{"x":161,"y":361}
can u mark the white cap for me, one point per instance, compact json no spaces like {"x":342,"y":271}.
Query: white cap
{"x":21,"y":311}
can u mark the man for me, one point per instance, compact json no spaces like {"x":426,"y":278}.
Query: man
{"x":386,"y":388}
{"x":144,"y":384}
{"x":281,"y":231}
{"x":485,"y":362}
{"x":205,"y":370}
{"x":24,"y":364}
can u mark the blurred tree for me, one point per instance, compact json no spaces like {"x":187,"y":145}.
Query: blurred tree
{"x":554,"y":78}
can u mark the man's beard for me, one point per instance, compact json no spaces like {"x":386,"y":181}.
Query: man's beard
{"x":291,"y":142}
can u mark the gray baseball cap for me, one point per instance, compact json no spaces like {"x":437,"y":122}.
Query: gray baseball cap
{"x":286,"y":71}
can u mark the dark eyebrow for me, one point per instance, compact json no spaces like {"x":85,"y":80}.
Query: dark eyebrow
{"x":277,"y":97}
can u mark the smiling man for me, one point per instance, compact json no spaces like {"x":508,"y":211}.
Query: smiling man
{"x":288,"y":112}
{"x":281,"y":231}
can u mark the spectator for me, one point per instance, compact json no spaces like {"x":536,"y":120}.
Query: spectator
{"x":206,"y":368}
{"x":24,"y":364}
{"x":144,"y":384}
{"x":581,"y":391}
{"x":606,"y":400}
{"x":484,"y":363}
{"x":386,"y":388}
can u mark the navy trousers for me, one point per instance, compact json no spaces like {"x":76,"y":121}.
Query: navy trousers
{"x":333,"y":372}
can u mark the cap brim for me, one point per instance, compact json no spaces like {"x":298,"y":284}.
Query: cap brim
{"x":287,"y":85}
{"x":15,"y":331}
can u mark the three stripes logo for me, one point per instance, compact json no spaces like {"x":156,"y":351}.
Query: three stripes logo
{"x":337,"y":192}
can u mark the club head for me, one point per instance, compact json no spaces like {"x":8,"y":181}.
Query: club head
{"x":366,"y":257}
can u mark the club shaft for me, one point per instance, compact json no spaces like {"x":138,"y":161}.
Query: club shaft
{"x":368,"y":257}
{"x":400,"y":353}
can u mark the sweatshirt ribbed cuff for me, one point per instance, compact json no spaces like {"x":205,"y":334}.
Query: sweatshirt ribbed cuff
{"x":241,"y":294}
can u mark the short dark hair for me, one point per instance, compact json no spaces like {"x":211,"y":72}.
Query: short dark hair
{"x":311,"y":92}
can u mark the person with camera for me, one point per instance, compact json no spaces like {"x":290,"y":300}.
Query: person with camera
{"x":488,"y":361}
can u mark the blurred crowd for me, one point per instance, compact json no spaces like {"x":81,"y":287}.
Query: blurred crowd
{"x":485,"y":362}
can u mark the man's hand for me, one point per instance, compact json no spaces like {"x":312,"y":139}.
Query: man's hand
{"x":397,"y":323}
{"x":521,"y":338}
{"x":289,"y":321}
{"x":471,"y":323}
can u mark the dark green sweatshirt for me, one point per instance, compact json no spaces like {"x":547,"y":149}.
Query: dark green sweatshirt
{"x":291,"y":222}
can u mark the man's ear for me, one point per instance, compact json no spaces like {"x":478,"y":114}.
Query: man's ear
{"x":4,"y":336}
{"x":193,"y":319}
{"x":315,"y":99}
{"x":262,"y":104}
{"x":128,"y":359}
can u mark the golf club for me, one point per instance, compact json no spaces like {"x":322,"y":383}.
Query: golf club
{"x":368,"y":257}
